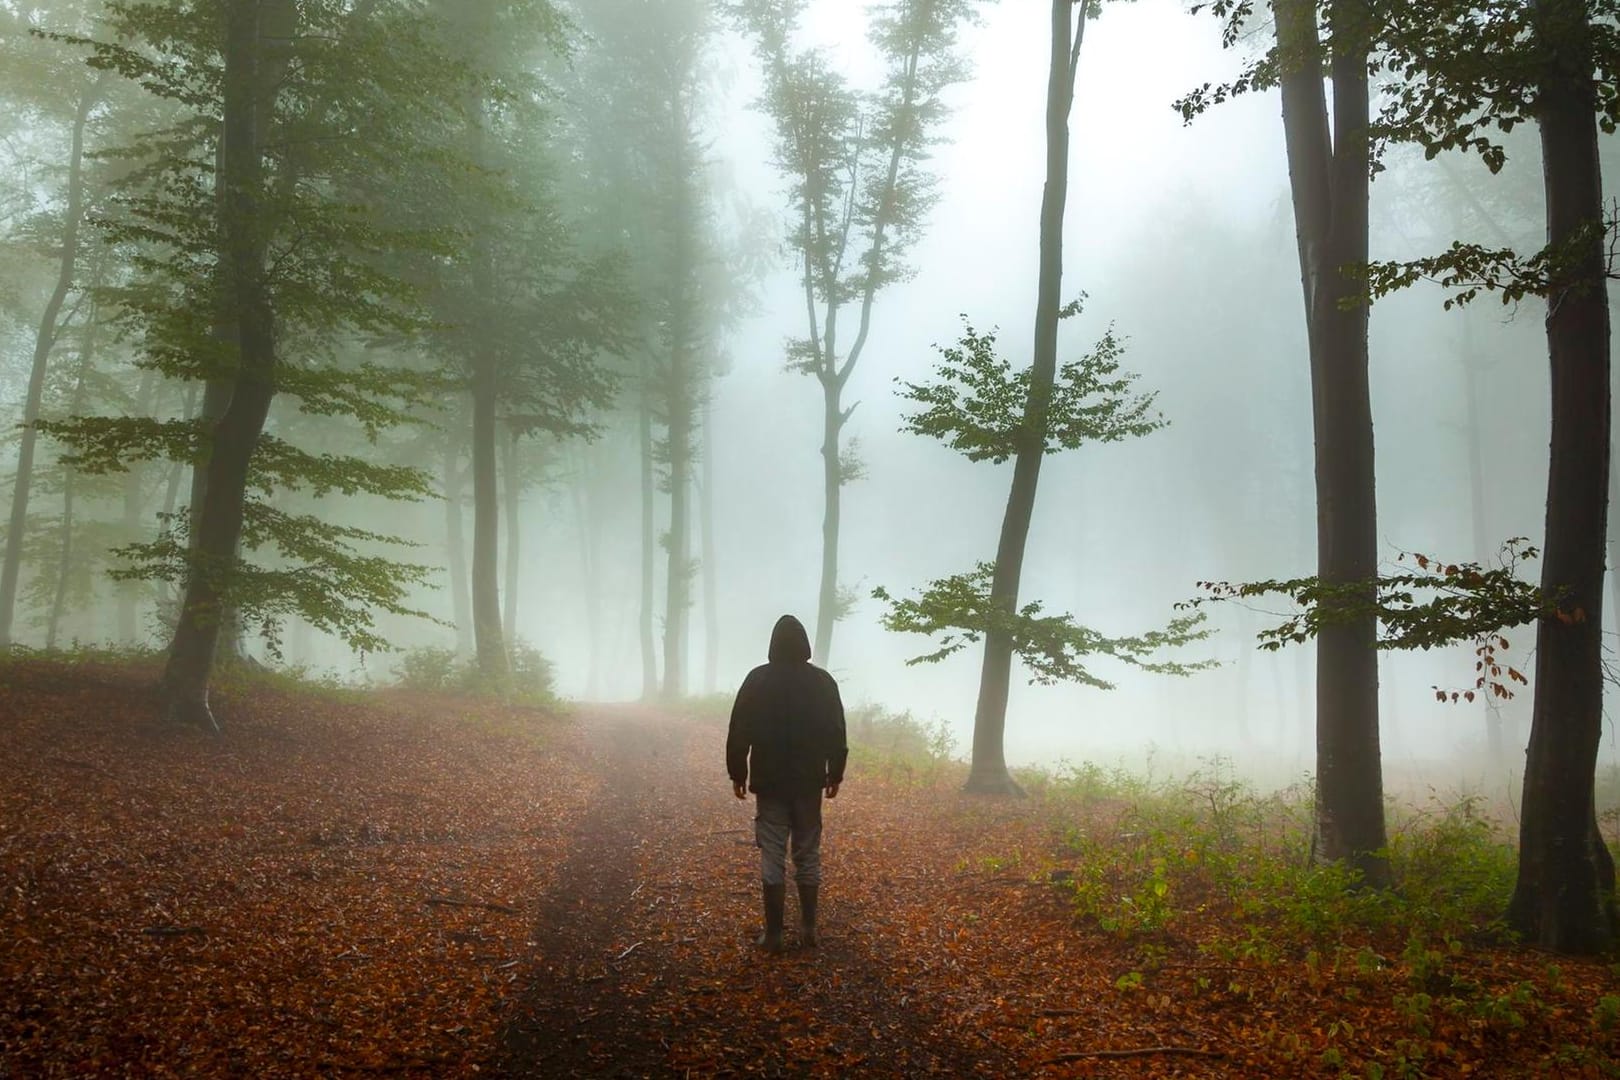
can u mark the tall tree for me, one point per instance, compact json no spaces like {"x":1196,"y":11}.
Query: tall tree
{"x":1329,"y":167}
{"x":860,"y":194}
{"x":83,"y":88}
{"x":244,"y":243}
{"x":989,"y":769}
{"x":1564,"y":897}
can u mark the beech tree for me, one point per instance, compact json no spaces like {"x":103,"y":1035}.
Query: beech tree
{"x":859,"y":197}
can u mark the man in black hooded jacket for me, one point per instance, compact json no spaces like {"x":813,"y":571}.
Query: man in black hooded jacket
{"x":786,"y":745}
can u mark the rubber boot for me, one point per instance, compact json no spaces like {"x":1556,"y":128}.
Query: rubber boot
{"x":807,"y":915}
{"x":775,"y":901}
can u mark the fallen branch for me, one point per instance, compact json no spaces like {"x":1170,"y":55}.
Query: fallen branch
{"x":445,"y":901}
{"x":1138,"y":1051}
{"x":627,"y":952}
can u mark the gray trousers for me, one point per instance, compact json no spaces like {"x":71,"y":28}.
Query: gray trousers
{"x":779,"y":823}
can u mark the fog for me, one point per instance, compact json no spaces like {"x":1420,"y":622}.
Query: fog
{"x":1182,"y":238}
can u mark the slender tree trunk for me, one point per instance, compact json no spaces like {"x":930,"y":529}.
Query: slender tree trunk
{"x":514,"y":533}
{"x":1564,"y":897}
{"x":711,"y":602}
{"x":678,"y":575}
{"x":44,"y":340}
{"x":1328,"y":173}
{"x":128,"y":592}
{"x":1495,"y":741}
{"x":87,"y":357}
{"x":649,"y":540}
{"x":988,"y":772}
{"x":488,"y":644}
{"x":585,"y":515}
{"x":455,"y":541}
{"x":832,"y":488}
{"x":219,"y":528}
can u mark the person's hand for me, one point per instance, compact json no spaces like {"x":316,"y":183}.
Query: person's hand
{"x":739,"y":789}
{"x":832,"y":789}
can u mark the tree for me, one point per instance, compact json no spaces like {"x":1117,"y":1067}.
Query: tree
{"x":859,"y":197}
{"x":61,"y":80}
{"x":1463,"y":72}
{"x":522,"y":314}
{"x":989,"y":413}
{"x":1330,"y":165}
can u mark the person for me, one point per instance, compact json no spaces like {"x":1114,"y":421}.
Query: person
{"x":786,"y":744}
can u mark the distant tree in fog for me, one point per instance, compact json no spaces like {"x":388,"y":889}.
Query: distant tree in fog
{"x":859,"y":198}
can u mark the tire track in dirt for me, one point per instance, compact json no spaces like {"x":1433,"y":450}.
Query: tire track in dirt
{"x":645,"y":963}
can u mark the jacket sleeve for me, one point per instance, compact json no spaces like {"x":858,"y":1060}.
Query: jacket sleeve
{"x":838,"y":741}
{"x":739,"y":737}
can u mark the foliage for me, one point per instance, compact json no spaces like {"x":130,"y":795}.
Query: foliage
{"x":1453,"y":75}
{"x":433,"y":669}
{"x":1432,"y":606}
{"x":959,"y":611}
{"x":978,"y":406}
{"x":437,"y":670}
{"x":333,"y":276}
{"x":898,"y":744}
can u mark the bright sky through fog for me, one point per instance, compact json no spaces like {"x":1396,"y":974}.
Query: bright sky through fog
{"x":1133,"y":161}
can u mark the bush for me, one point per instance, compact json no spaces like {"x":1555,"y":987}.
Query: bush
{"x":432,"y":669}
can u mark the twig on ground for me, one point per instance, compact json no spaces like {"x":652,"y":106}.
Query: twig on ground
{"x":628,"y":951}
{"x":445,"y":901}
{"x":1136,"y":1051}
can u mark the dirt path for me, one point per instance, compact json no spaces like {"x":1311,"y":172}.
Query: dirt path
{"x":647,"y":963}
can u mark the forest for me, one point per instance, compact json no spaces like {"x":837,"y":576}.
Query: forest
{"x":1183,"y":428}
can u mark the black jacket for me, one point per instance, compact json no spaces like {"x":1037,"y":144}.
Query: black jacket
{"x":787,"y":725}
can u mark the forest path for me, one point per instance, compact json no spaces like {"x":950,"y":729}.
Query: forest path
{"x":647,"y":964}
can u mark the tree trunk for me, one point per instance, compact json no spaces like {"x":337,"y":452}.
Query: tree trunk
{"x":988,"y":772}
{"x":455,"y":541}
{"x":585,"y":515}
{"x":1328,"y":174}
{"x":649,"y":541}
{"x":128,"y":592}
{"x":514,"y":533}
{"x":219,"y":528}
{"x":832,"y":487}
{"x":87,"y":355}
{"x":489,"y":647}
{"x":44,"y":340}
{"x":711,"y":601}
{"x":1495,"y":739}
{"x":1564,"y":897}
{"x":678,"y":575}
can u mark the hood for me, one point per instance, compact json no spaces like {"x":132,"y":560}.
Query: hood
{"x":789,"y":642}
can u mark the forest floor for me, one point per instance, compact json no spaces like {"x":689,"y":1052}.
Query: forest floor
{"x":384,"y":884}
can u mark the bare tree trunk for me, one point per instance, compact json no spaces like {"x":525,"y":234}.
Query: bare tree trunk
{"x":514,"y":533}
{"x":711,"y":603}
{"x":832,"y":489}
{"x":44,"y":339}
{"x":1495,"y":741}
{"x":1564,"y":897}
{"x":586,"y":516}
{"x":489,"y":646}
{"x":455,"y":541}
{"x":87,"y":356}
{"x":128,"y":592}
{"x":219,"y":528}
{"x":988,"y":772}
{"x":649,"y":541}
{"x":1328,"y":174}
